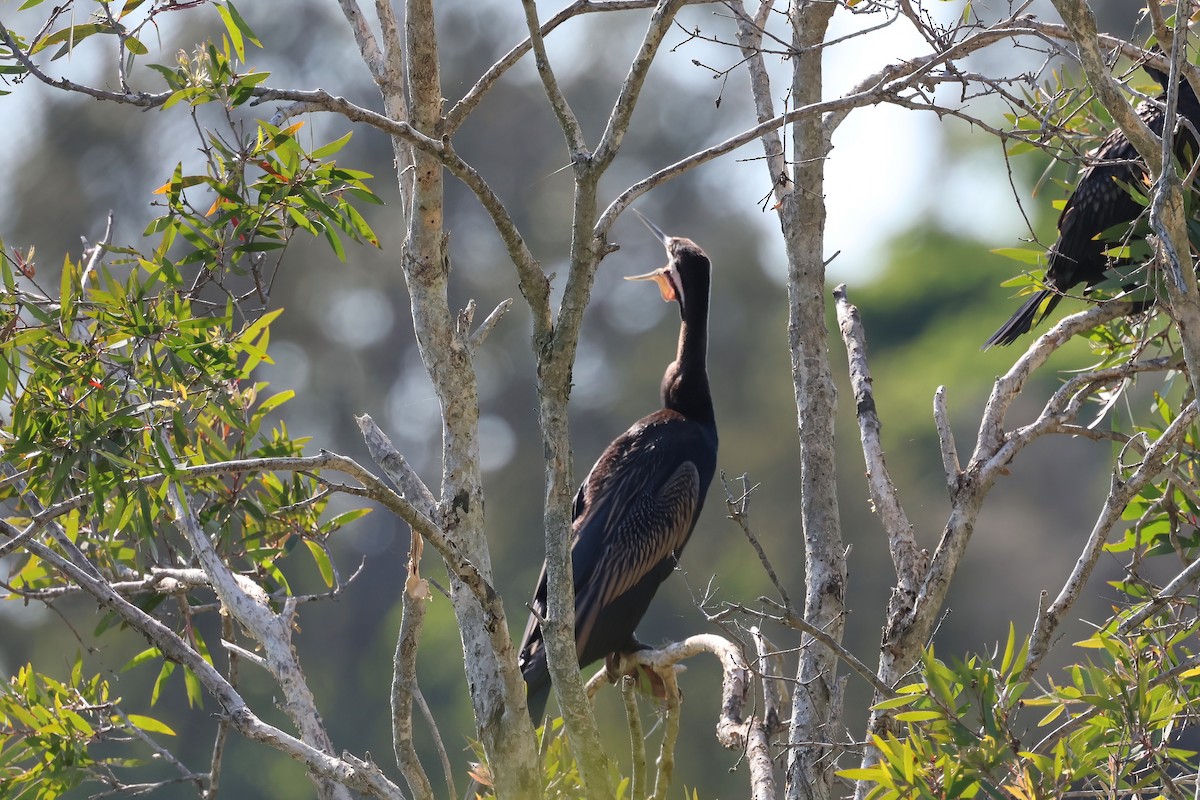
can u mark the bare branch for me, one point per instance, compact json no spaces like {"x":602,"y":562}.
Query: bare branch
{"x":990,"y":452}
{"x":463,"y":108}
{"x":941,"y":419}
{"x":349,"y":771}
{"x":637,"y":739}
{"x":906,"y":557}
{"x":631,"y":88}
{"x":881,"y":87}
{"x":241,"y":652}
{"x":368,"y":47}
{"x":139,"y":99}
{"x":391,"y":80}
{"x":573,"y":133}
{"x":666,"y":748}
{"x":396,"y":467}
{"x":1181,"y":584}
{"x":308,"y":101}
{"x":1081,"y":24}
{"x":749,"y":37}
{"x":739,"y":511}
{"x":404,"y":678}
{"x":734,"y":685}
{"x":477,"y":338}
{"x":248,"y":604}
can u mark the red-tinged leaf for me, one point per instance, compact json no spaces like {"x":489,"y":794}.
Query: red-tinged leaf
{"x":266,"y":167}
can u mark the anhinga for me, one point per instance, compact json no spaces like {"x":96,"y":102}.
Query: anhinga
{"x":637,"y":507}
{"x":1099,"y":203}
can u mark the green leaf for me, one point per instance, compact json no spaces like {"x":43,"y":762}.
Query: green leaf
{"x":1008,"y":648}
{"x":327,"y":150}
{"x":66,"y":295}
{"x":191,"y":684}
{"x":148,"y":654}
{"x":130,"y":5}
{"x":324,"y":565}
{"x":918,"y":716}
{"x":276,"y":400}
{"x":336,"y":244}
{"x":72,"y":36}
{"x":149,"y":724}
{"x":135,"y":46}
{"x":245,"y":29}
{"x":161,"y":681}
{"x":259,"y":325}
{"x":896,"y":702}
{"x":1023,"y":254}
{"x":343,"y":519}
{"x":235,"y":35}
{"x":1050,"y":717}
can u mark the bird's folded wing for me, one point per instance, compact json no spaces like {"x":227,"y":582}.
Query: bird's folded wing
{"x":649,"y":529}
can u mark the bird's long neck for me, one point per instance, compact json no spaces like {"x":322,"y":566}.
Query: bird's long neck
{"x":685,"y":385}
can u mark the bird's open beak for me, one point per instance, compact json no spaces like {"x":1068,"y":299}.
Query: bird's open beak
{"x":657,"y":231}
{"x":665,"y":287}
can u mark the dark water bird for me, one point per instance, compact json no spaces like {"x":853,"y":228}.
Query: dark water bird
{"x":637,"y":507}
{"x":1099,"y":203}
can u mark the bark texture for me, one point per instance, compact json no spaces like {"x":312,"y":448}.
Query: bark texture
{"x":810,"y":767}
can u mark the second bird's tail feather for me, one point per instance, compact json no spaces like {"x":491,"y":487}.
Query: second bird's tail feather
{"x":537,"y":681}
{"x":1025,"y":318}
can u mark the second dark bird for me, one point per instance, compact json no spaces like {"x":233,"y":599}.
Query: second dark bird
{"x":1099,"y":203}
{"x":637,"y":507}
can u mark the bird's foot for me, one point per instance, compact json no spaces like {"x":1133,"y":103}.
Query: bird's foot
{"x":646,"y":679}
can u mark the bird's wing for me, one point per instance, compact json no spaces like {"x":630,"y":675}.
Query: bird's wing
{"x":538,"y":603}
{"x":643,"y":529}
{"x":533,"y":632}
{"x":1099,"y":203}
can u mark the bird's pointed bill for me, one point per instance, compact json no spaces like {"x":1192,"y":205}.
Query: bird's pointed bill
{"x":657,"y":231}
{"x":665,"y":286}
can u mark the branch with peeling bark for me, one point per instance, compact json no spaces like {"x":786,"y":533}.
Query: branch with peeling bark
{"x":248,"y":604}
{"x":912,"y":611}
{"x":735,"y":729}
{"x":908,"y":560}
{"x":347,"y":770}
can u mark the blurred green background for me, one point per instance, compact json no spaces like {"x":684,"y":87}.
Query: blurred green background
{"x":915,"y":205}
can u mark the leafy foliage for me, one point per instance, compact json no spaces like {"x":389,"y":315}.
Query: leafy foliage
{"x":560,"y":771}
{"x":1113,"y":726}
{"x":48,"y":726}
{"x":139,"y":371}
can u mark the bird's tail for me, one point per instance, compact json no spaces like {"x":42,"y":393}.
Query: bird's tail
{"x":537,"y":683}
{"x":1025,"y":318}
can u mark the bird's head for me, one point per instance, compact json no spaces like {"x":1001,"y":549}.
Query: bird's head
{"x":686,"y":272}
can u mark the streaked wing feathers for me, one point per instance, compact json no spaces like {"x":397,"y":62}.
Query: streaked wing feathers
{"x":649,"y":529}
